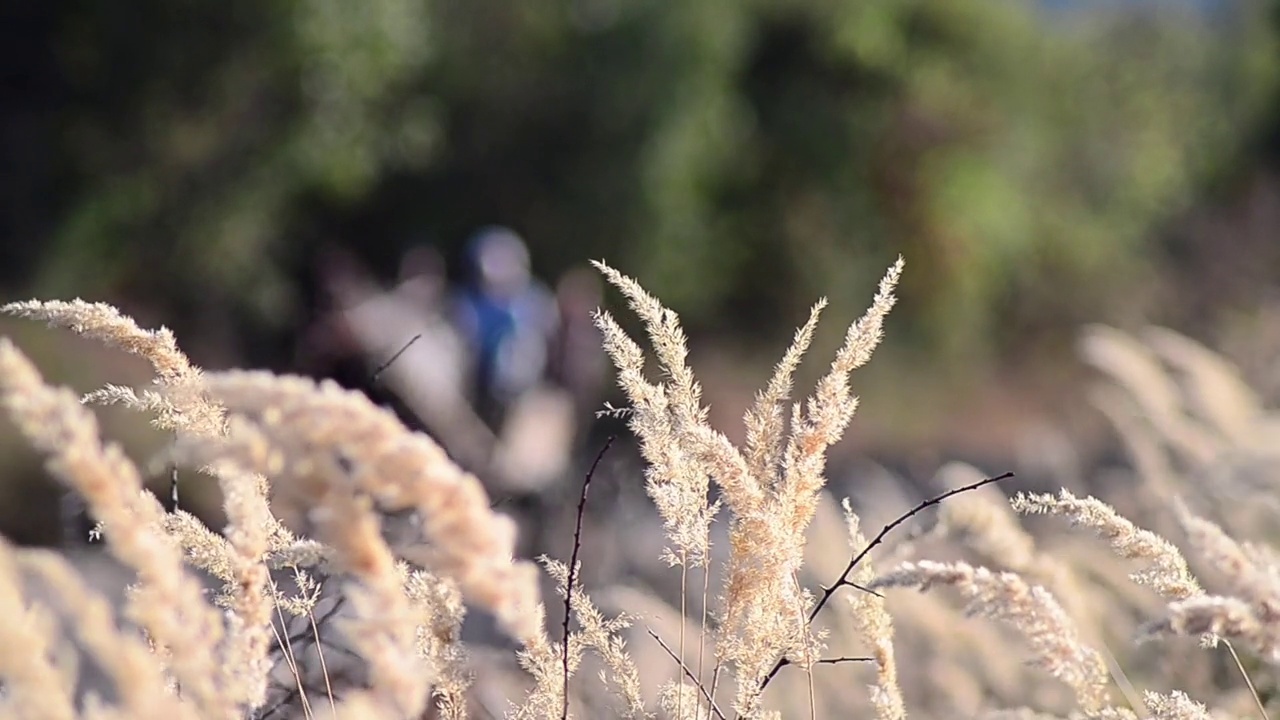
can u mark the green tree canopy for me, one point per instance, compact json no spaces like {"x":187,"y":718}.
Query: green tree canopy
{"x":738,"y":156}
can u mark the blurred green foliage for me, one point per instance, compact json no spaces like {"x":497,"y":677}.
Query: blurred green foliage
{"x":742,"y":157}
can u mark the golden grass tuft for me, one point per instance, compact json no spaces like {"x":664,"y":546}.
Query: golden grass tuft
{"x":355,"y":547}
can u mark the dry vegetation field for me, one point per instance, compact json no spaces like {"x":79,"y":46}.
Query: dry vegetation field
{"x":355,"y":548}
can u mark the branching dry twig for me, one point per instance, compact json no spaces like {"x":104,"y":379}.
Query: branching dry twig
{"x":839,"y":660}
{"x":688,"y":674}
{"x":573,"y":569}
{"x":879,"y":538}
{"x":833,"y":661}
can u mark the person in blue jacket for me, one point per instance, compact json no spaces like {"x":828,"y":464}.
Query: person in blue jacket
{"x":507,"y":318}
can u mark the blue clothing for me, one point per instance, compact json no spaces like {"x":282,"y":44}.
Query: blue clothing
{"x":509,"y":338}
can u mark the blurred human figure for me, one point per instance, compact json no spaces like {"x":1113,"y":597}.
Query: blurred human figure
{"x":500,"y":371}
{"x":507,"y":318}
{"x":422,"y":277}
{"x":398,"y":340}
{"x":577,"y":359}
{"x":327,"y":346}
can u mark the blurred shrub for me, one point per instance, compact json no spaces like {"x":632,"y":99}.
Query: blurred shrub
{"x":742,"y":157}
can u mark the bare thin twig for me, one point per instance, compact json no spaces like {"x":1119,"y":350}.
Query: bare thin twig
{"x":833,"y":661}
{"x":838,"y":660}
{"x":844,"y":581}
{"x":382,"y":368}
{"x":688,"y":674}
{"x":856,"y":586}
{"x":1262,"y":708}
{"x":324,"y":667}
{"x":573,"y":570}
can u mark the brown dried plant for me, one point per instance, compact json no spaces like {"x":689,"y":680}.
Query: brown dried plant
{"x":219,"y":662}
{"x":770,"y":487}
{"x":354,"y":607}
